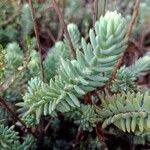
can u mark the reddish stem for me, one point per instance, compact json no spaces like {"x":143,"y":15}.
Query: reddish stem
{"x":64,"y":25}
{"x":95,"y":11}
{"x":100,"y":137}
{"x":104,"y":8}
{"x":15,"y":116}
{"x":38,"y":39}
{"x":131,"y":24}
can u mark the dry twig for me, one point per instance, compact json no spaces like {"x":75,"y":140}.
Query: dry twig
{"x":64,"y":25}
{"x":15,"y":116}
{"x":104,"y":7}
{"x":131,"y":24}
{"x":37,"y":37}
{"x":100,"y":137}
{"x":51,"y":36}
{"x":95,"y":11}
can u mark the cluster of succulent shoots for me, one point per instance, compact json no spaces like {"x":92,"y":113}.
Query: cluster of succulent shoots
{"x":92,"y":68}
{"x":69,"y":79}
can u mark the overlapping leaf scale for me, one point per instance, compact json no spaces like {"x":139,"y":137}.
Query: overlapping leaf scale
{"x":109,"y":42}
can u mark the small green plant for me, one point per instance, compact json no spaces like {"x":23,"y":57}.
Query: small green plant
{"x":92,"y":69}
{"x":88,"y":92}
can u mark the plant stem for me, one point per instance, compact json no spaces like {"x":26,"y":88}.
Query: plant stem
{"x":37,"y":37}
{"x":51,"y":36}
{"x":95,"y":11}
{"x":15,"y":116}
{"x":104,"y":7}
{"x":133,"y":19}
{"x":131,"y":24}
{"x":64,"y":25}
{"x":100,"y":137}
